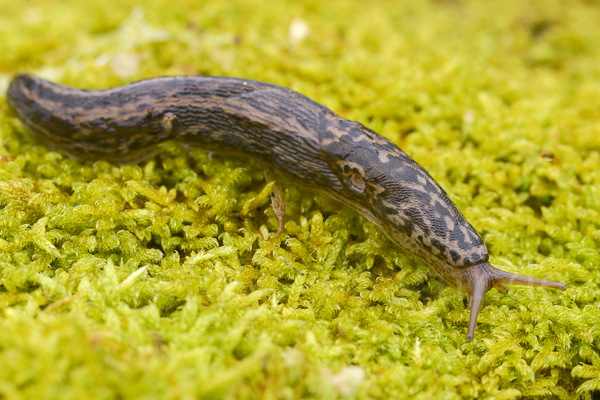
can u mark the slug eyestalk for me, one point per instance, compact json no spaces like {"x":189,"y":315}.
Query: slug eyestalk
{"x":483,"y":277}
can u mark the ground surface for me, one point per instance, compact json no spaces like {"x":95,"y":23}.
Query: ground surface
{"x":144,"y":281}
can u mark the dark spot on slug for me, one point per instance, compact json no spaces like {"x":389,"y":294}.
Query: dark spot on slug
{"x":438,"y":245}
{"x":454,"y":254}
{"x":391,"y":211}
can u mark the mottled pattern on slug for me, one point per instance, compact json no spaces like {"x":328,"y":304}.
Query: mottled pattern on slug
{"x":302,"y":138}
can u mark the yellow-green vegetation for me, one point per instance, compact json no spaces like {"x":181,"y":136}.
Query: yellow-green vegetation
{"x":152,"y":281}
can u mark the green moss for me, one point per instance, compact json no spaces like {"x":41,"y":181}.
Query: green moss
{"x":153,"y":281}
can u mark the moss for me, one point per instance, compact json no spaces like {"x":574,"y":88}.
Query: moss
{"x":153,"y":281}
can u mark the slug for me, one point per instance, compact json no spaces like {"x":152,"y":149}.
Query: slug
{"x":298,"y":136}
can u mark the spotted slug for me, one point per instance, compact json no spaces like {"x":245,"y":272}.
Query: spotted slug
{"x":302,"y":138}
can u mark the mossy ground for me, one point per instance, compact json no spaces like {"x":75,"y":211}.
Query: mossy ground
{"x":152,"y":281}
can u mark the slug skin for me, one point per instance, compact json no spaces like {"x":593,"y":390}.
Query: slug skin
{"x":300,"y":137}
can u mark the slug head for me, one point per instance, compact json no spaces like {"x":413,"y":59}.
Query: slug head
{"x":377,"y":178}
